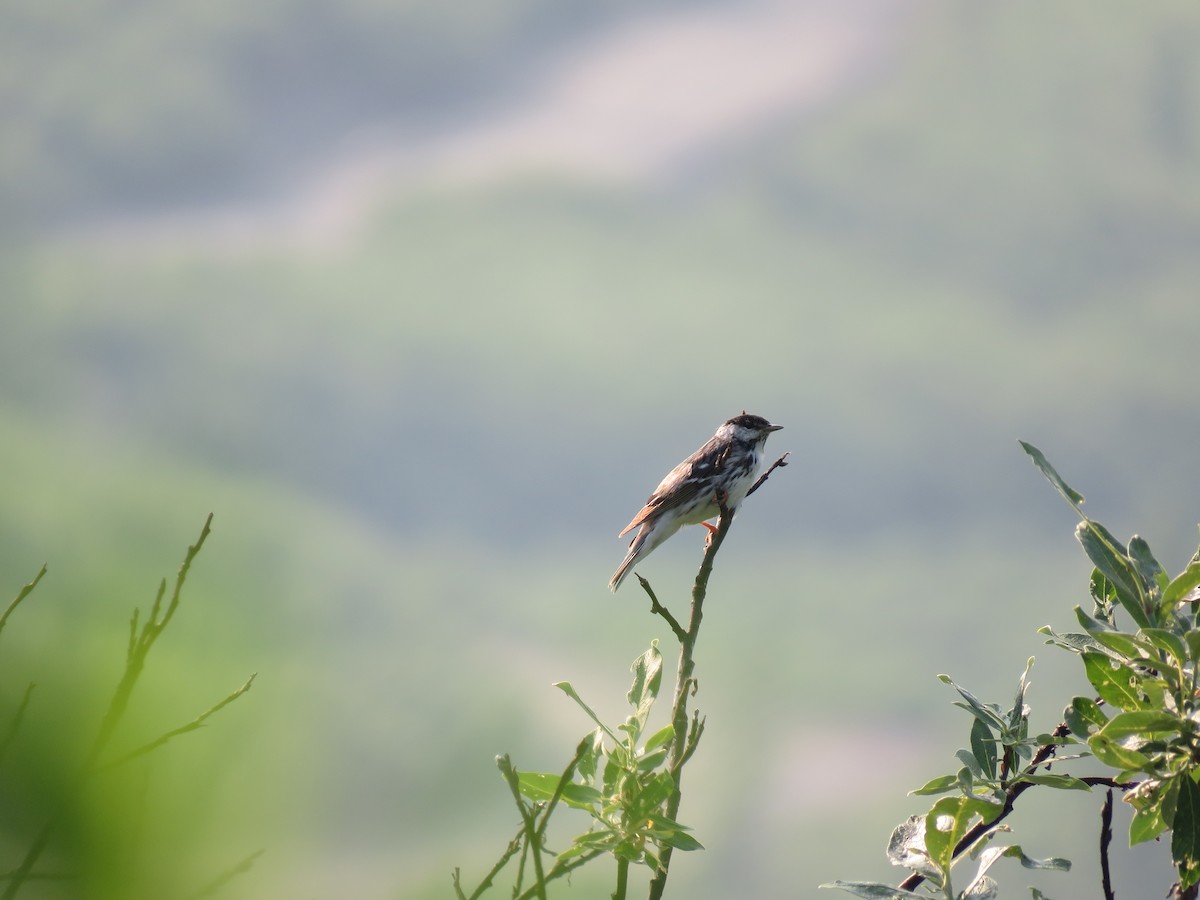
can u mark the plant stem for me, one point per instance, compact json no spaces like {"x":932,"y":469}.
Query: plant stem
{"x":685,"y":684}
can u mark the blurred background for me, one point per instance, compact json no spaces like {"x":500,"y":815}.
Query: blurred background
{"x":422,"y":299}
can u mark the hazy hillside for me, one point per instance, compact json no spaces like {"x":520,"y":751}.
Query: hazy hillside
{"x":420,"y":439}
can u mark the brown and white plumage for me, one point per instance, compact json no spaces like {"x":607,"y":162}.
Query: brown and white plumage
{"x":725,"y":466}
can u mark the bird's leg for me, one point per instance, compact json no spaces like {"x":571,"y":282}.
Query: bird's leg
{"x":712,"y":529}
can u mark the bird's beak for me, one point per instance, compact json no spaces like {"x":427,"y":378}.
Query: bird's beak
{"x":774,"y":428}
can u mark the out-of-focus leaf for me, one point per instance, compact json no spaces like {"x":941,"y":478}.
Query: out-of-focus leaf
{"x":647,"y":678}
{"x":1084,"y":714}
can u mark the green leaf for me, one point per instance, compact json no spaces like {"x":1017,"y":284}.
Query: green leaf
{"x":1142,"y":723}
{"x":938,"y":785}
{"x":540,"y":786}
{"x":1185,"y":832}
{"x":662,"y":736}
{"x":1147,"y":823}
{"x":1114,"y":682}
{"x":655,"y":791}
{"x":565,"y":687}
{"x":983,"y":746}
{"x":988,"y":712}
{"x":873,"y":890}
{"x":1113,"y":754}
{"x":967,"y":758}
{"x":1017,"y":713}
{"x":1073,"y":641}
{"x":668,"y":831}
{"x":1071,"y":495}
{"x":947,"y":821}
{"x":647,"y":678}
{"x":1103,"y":550}
{"x":1082,"y":715}
{"x":1168,"y":642}
{"x":1182,"y":586}
{"x":1062,"y":782}
{"x":1124,"y":645}
{"x":1148,"y":568}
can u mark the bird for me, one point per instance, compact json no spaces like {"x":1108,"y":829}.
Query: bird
{"x":721,"y":471}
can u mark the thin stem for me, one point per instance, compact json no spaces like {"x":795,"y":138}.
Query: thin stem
{"x":21,"y":595}
{"x":622,"y":879}
{"x":684,"y":741}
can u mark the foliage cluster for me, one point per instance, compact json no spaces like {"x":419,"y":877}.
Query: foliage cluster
{"x":99,"y":762}
{"x":1143,"y":725}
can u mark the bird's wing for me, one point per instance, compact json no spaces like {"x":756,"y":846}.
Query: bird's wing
{"x":682,"y":484}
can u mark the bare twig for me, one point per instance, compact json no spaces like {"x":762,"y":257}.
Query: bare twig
{"x":18,"y":718}
{"x":21,"y":595}
{"x":239,"y":868}
{"x":1106,"y":814}
{"x":658,"y":609}
{"x":778,"y":464}
{"x":193,"y":725}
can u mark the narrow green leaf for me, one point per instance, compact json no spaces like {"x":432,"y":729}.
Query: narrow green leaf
{"x":647,"y":678}
{"x":662,"y":736}
{"x":540,"y":786}
{"x":1073,"y":641}
{"x":566,"y":688}
{"x":988,"y":712}
{"x":938,"y":785}
{"x":1105,"y":553}
{"x":1185,"y":832}
{"x":1148,"y":568}
{"x":1168,"y":642}
{"x":983,"y":746}
{"x":1113,"y":754}
{"x":1062,"y":782}
{"x":1071,"y":495}
{"x":967,"y":758}
{"x":1143,"y":723}
{"x":1181,"y":587}
{"x":1017,"y":713}
{"x":1124,"y":645}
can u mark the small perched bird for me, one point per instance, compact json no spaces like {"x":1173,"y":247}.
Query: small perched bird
{"x":725,"y":467}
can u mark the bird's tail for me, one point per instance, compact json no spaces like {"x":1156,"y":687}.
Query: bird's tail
{"x":635,"y":551}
